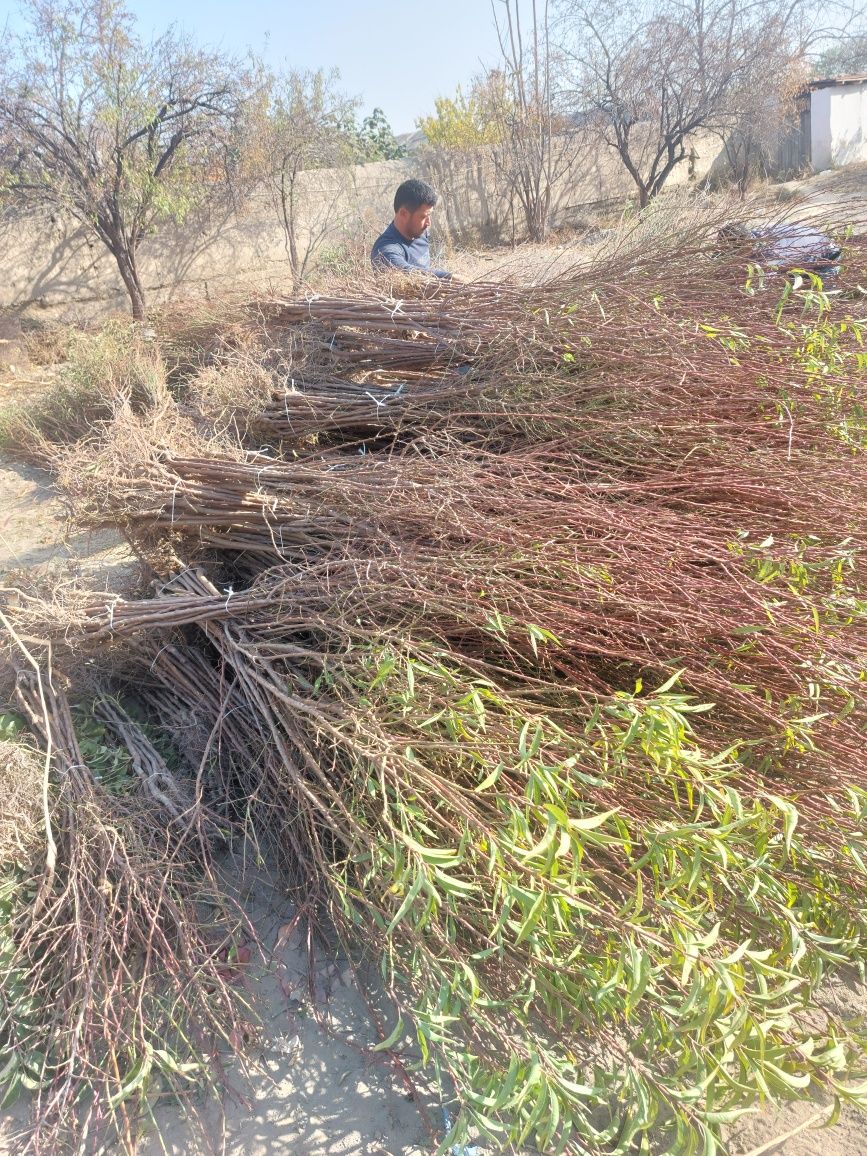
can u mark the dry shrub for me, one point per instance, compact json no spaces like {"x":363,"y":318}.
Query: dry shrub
{"x":50,"y":345}
{"x":347,"y":263}
{"x":197,"y":332}
{"x":230,"y":398}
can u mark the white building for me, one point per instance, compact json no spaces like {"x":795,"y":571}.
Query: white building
{"x":837,"y":121}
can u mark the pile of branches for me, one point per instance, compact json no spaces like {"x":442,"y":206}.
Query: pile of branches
{"x":532,"y":641}
{"x":115,"y":940}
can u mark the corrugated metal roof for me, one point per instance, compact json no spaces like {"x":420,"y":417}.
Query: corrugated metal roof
{"x":833,"y":81}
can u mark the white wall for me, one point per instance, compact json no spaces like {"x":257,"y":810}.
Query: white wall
{"x":838,"y":125}
{"x":849,"y":124}
{"x":820,"y":129}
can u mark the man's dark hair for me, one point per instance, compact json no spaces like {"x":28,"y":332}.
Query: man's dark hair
{"x":735,"y":231}
{"x":413,"y":194}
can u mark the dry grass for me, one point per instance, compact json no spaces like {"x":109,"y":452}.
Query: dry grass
{"x":21,"y":774}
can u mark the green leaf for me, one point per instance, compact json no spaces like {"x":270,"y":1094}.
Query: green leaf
{"x":790,"y":820}
{"x":441,"y":855}
{"x":134,"y":1078}
{"x":532,"y":919}
{"x":592,"y":821}
{"x":669,"y":682}
{"x":490,"y":779}
{"x":408,"y":901}
{"x":729,"y":1115}
{"x":551,"y":833}
{"x":790,"y":1079}
{"x":391,"y":1040}
{"x":12,"y":1091}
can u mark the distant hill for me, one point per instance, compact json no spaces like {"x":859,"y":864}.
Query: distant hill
{"x":413,"y":142}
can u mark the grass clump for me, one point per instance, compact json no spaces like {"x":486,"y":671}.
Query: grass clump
{"x":101,"y":373}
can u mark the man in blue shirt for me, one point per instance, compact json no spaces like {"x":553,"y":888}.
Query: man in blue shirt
{"x":404,"y":244}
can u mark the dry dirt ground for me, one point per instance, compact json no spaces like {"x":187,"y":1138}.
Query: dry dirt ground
{"x":317,"y":1089}
{"x":34,"y":531}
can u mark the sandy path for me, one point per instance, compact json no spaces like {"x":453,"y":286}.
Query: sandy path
{"x":35,"y":533}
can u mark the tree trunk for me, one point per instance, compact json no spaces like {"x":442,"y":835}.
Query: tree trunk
{"x":287,"y":211}
{"x":129,"y":273}
{"x":622,"y":145}
{"x":535,"y":214}
{"x":294,"y":260}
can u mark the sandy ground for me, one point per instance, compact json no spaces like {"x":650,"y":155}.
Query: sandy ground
{"x":35,"y":533}
{"x":317,"y":1088}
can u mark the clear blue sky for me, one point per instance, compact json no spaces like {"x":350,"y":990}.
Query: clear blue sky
{"x":397,"y":55}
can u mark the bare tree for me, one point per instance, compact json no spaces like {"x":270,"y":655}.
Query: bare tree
{"x":535,"y":145}
{"x":648,"y":76}
{"x":760,"y":111}
{"x":307,"y":125}
{"x":120,"y":134}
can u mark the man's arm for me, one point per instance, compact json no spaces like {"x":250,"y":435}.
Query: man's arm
{"x":391,"y":255}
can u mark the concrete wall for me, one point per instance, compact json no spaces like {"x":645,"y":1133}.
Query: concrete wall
{"x":820,"y":129}
{"x":49,"y":262}
{"x":838,"y":125}
{"x":849,"y":124}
